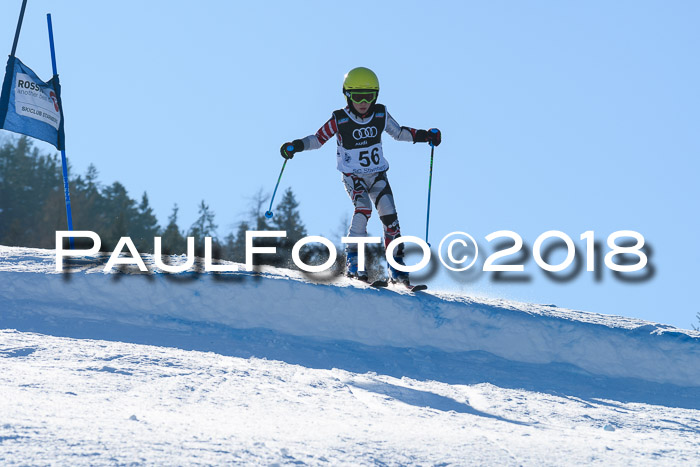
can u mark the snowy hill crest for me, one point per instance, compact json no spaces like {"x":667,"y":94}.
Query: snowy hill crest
{"x":243,"y":312}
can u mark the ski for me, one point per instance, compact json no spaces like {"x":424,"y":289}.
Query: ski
{"x":417,"y":287}
{"x":412,"y":287}
{"x":381,"y":284}
{"x":378,"y":284}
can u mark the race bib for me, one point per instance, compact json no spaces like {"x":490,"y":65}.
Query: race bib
{"x":362,"y":160}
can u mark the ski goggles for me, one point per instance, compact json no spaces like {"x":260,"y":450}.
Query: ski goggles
{"x":359,"y":97}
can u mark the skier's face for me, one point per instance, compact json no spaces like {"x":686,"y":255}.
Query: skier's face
{"x":361,"y":108}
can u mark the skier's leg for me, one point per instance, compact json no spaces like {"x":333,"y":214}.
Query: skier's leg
{"x":380,"y":193}
{"x":357,"y":190}
{"x":383,"y":198}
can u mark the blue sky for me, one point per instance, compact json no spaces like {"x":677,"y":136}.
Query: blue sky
{"x":563,"y":116}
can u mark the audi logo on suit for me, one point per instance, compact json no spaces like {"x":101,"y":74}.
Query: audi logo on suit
{"x":364,"y":132}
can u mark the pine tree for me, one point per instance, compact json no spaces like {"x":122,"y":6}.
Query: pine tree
{"x":14,"y":185}
{"x":258,"y":205}
{"x":237,"y":252}
{"x":203,"y":227}
{"x":145,"y":226}
{"x":228,"y":246}
{"x":87,"y":201}
{"x":257,"y":210}
{"x":118,"y":214}
{"x":287,"y":217}
{"x":172,"y":241}
{"x":28,"y":182}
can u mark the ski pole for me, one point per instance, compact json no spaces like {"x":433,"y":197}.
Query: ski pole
{"x":269,"y":214}
{"x":430,"y":183}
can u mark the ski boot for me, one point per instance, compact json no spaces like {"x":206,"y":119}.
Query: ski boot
{"x":351,"y":267}
{"x":396,"y":276}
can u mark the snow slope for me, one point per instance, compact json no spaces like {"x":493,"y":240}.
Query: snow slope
{"x":288,"y":305}
{"x":348,"y":374}
{"x":90,"y":402}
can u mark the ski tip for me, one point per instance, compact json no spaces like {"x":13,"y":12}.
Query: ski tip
{"x":378,"y":284}
{"x":409,"y":287}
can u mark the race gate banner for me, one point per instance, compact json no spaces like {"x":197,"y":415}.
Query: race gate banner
{"x":30,"y":106}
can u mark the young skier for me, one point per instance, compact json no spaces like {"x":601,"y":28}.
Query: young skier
{"x":358,"y":128}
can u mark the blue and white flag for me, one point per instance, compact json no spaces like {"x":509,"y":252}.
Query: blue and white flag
{"x":30,"y":106}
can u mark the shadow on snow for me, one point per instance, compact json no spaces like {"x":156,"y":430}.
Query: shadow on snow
{"x":563,"y":380}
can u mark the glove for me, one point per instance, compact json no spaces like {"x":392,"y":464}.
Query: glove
{"x":432,"y":136}
{"x":289,"y":149}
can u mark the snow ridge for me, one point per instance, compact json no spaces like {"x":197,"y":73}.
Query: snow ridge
{"x":279,"y":304}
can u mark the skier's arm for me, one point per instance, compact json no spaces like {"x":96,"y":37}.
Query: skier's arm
{"x":323,"y":134}
{"x":399,"y":133}
{"x":404,"y":133}
{"x":326,"y":132}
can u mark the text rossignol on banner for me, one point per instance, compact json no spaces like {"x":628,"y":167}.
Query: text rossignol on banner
{"x":31,"y":106}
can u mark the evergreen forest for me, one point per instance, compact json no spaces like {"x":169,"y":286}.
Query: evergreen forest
{"x":32,"y":209}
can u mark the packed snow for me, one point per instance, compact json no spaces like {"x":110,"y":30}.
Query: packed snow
{"x":276,"y":367}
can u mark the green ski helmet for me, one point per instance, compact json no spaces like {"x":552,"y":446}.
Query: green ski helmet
{"x":361,"y":83}
{"x":360,"y":78}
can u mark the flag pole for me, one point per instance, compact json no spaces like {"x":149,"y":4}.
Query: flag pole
{"x":7,"y":83}
{"x":19,"y":27}
{"x":66,"y":190}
